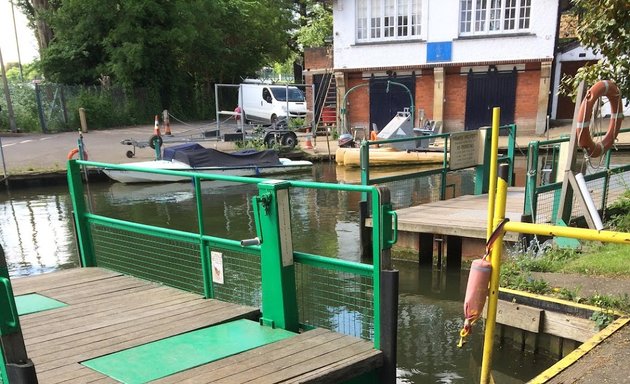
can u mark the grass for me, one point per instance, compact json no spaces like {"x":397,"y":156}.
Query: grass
{"x":610,"y":260}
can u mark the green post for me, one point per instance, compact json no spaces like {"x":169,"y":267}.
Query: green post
{"x":510,"y":152}
{"x":445,"y":168}
{"x":206,"y":264}
{"x":16,"y":366}
{"x":84,"y":237}
{"x":530,"y":183}
{"x":364,"y":163}
{"x":606,"y":182}
{"x":279,"y":303}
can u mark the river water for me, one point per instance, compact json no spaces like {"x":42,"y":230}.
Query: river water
{"x":36,"y":233}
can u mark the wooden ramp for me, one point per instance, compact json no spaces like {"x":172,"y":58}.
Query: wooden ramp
{"x":464,"y":216}
{"x":108,"y":312}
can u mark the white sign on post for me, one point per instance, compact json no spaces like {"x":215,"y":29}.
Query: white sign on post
{"x":217,"y":267}
{"x":464,"y":147}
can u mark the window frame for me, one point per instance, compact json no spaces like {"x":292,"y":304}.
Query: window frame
{"x":478,"y":17}
{"x":381,"y":21}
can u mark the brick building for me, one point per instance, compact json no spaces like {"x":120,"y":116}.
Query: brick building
{"x":454,"y":59}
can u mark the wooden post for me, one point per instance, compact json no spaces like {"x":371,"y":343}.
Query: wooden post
{"x":7,"y":96}
{"x":84,"y":127}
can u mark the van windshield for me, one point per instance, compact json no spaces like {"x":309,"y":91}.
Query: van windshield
{"x":280,"y":94}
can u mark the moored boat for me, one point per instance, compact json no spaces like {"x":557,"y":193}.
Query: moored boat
{"x":195,"y":158}
{"x":350,"y":157}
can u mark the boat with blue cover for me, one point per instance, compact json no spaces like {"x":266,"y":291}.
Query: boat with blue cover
{"x":194,"y":157}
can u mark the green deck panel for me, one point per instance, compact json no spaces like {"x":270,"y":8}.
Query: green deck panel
{"x":35,"y":302}
{"x":168,"y":356}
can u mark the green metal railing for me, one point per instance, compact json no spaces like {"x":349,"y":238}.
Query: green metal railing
{"x":606,"y":181}
{"x":442,"y":176}
{"x":302,"y":291}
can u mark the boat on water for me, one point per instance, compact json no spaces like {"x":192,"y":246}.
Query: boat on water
{"x":351,"y":157}
{"x":195,"y":158}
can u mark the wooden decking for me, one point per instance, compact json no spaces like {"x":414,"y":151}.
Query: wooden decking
{"x":464,"y":216}
{"x":108,"y":312}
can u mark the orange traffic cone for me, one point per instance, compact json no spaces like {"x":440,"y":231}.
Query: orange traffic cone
{"x":308,"y":144}
{"x":167,"y":124}
{"x":156,"y":127}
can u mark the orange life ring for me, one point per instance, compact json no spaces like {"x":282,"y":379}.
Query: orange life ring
{"x":75,"y":151}
{"x":611,"y":91}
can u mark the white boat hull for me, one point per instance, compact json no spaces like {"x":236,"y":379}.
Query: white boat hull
{"x":130,"y":176}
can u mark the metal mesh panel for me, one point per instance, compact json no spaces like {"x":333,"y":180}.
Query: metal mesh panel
{"x":171,"y":262}
{"x":241,"y":278}
{"x":548,"y":201}
{"x":341,"y":302}
{"x":410,"y":192}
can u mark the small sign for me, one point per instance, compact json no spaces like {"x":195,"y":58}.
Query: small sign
{"x":439,"y":51}
{"x":217,"y":267}
{"x":464,"y":147}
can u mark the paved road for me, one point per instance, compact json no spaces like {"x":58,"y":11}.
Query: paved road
{"x":47,"y":153}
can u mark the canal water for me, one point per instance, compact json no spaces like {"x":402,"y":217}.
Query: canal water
{"x":36,"y":233}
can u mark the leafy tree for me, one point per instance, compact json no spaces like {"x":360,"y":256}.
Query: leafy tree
{"x":604,"y":26}
{"x":174,"y":46}
{"x":317,"y":28}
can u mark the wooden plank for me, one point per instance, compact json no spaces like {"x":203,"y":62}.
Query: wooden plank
{"x":69,"y":277}
{"x":284,"y":368}
{"x":519,"y":316}
{"x":568,"y":327}
{"x":254,"y":359}
{"x":342,"y":370}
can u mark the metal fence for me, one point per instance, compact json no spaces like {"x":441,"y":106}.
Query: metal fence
{"x":606,"y":180}
{"x":441,"y":182}
{"x":48,"y":107}
{"x":332,"y":293}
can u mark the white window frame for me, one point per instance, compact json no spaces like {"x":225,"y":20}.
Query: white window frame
{"x":494,"y":17}
{"x":389,"y":20}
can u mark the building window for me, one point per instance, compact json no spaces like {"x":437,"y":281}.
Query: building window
{"x":388,"y":20}
{"x":480,"y":17}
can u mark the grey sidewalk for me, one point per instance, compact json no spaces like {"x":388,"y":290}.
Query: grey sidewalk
{"x":47,"y":153}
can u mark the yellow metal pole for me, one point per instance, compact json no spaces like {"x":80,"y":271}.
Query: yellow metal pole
{"x":575,"y":233}
{"x":495,"y":259}
{"x":494,"y":155}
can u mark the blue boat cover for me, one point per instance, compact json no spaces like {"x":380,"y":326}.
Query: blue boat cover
{"x":198,"y":156}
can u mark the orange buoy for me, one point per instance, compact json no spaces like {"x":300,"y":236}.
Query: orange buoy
{"x":75,"y":151}
{"x":611,"y":91}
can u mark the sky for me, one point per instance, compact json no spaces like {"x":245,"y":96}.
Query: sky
{"x":26,"y":38}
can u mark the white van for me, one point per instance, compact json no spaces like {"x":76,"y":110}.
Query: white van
{"x":265,"y":103}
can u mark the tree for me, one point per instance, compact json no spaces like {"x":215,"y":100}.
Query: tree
{"x":604,"y":26}
{"x":38,"y":13}
{"x":169,"y":45}
{"x":317,"y":28}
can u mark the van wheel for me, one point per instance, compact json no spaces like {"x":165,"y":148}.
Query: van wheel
{"x":289,"y":140}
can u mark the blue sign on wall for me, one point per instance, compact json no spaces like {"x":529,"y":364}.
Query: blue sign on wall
{"x":440,"y":51}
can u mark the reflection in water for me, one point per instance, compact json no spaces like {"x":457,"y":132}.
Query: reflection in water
{"x":37,"y":235}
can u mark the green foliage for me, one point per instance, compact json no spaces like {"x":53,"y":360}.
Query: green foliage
{"x":176,"y":47}
{"x":318,"y":27}
{"x":24,"y":107}
{"x":604,"y":260}
{"x":619,"y":213}
{"x":604,"y":26}
{"x":602,"y":319}
{"x":514,"y":277}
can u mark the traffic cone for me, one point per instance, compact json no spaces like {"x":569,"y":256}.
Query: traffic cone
{"x":308,"y":144}
{"x":167,"y":124}
{"x":156,"y":128}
